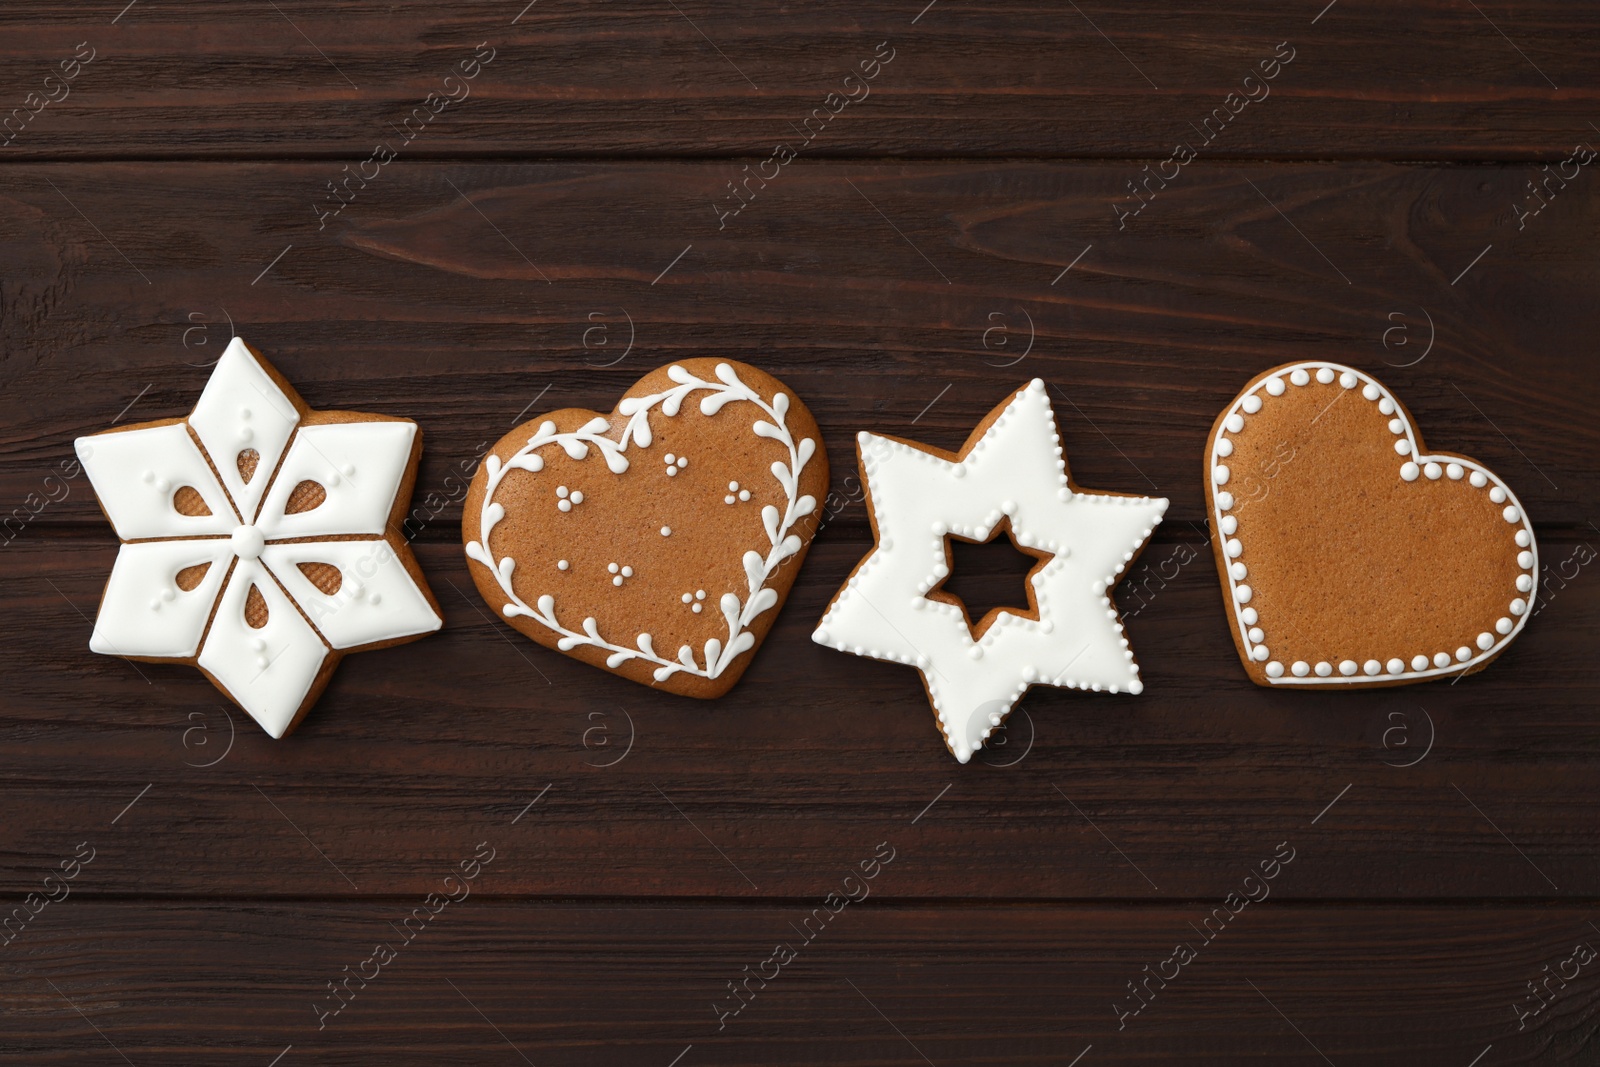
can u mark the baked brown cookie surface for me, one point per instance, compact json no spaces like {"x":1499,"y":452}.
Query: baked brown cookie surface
{"x":1349,"y":555}
{"x":657,"y":542}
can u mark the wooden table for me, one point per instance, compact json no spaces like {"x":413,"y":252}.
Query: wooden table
{"x":542,"y":232}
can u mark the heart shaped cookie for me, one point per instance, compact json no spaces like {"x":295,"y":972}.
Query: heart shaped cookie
{"x":657,"y":542}
{"x":1349,"y":555}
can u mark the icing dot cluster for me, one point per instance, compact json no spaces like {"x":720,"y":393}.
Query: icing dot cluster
{"x":1417,"y":663}
{"x":566,"y":499}
{"x":162,"y":485}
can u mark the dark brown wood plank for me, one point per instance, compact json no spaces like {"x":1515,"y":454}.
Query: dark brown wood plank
{"x":1029,"y":78}
{"x":813,"y":756}
{"x":905,"y":299}
{"x":498,"y":983}
{"x":979,"y":219}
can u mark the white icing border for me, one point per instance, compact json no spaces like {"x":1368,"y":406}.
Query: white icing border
{"x":1412,"y":467}
{"x":1014,"y":470}
{"x":758,"y":570}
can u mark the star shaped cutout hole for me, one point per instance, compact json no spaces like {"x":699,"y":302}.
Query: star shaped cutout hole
{"x":260,"y":539}
{"x":895,"y":605}
{"x":987,"y":578}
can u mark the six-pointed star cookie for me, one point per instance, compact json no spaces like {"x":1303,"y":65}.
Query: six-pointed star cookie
{"x":258,"y":539}
{"x":1011,"y":470}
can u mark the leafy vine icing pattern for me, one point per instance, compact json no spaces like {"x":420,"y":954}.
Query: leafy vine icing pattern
{"x":758,"y":568}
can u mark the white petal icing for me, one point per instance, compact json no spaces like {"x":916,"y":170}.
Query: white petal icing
{"x":359,"y":464}
{"x":136,"y":472}
{"x":144,"y":613}
{"x":243,"y":408}
{"x":1076,"y":641}
{"x":268,"y":671}
{"x":377,"y":599}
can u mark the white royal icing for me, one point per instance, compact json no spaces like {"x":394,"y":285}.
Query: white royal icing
{"x":738,"y":611}
{"x":358,"y":464}
{"x":376,"y":601}
{"x":144,"y":613}
{"x":1402,"y":664}
{"x":270,"y":670}
{"x":1016,"y":471}
{"x":242,"y":408}
{"x":137,"y":472}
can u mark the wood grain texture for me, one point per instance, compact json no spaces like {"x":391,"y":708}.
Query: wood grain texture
{"x":493,"y":982}
{"x":799,"y":767}
{"x":1025,"y":78}
{"x":610,"y":197}
{"x":895,"y":298}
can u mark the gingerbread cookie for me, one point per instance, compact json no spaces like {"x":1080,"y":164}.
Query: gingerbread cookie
{"x":259,"y":539}
{"x":1349,"y":555}
{"x":1010,"y":475}
{"x":659,"y":541}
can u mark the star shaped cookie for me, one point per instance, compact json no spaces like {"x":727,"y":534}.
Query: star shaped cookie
{"x":1011,"y":472}
{"x":258,"y":539}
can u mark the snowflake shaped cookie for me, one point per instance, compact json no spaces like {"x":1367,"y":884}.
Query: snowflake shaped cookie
{"x":1010,"y":472}
{"x":258,"y":539}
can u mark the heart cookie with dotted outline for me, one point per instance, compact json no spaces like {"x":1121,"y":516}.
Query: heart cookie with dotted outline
{"x":657,"y":542}
{"x":1349,"y":555}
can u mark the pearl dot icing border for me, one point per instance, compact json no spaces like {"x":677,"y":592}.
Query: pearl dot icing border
{"x":1407,"y":664}
{"x":1002,"y":663}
